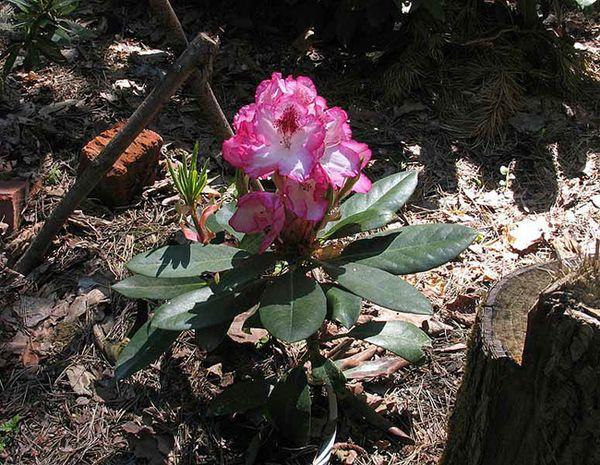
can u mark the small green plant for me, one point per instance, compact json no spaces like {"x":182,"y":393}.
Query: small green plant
{"x":42,"y":28}
{"x":191,"y":184}
{"x":7,"y":429}
{"x":54,"y":174}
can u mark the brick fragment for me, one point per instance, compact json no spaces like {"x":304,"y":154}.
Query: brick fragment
{"x":13,"y":194}
{"x":135,"y":169}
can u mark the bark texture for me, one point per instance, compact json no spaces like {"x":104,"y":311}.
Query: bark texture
{"x":531,"y":390}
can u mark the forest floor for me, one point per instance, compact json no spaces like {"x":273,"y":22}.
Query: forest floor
{"x":535,"y":197}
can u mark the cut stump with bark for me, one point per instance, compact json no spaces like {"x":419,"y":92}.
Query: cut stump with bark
{"x":531,"y":390}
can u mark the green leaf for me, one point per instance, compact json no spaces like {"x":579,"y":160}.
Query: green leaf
{"x":184,"y":261}
{"x":250,"y":270}
{"x":585,"y":3}
{"x":380,"y":287}
{"x":251,"y":242}
{"x":143,"y":287}
{"x":13,"y":54}
{"x":22,"y":5}
{"x":240,"y":397}
{"x":204,"y":307}
{"x":362,"y":212}
{"x":293,"y":307}
{"x":343,"y":306}
{"x":325,"y":371}
{"x":402,"y":338}
{"x":196,"y":309}
{"x":209,"y":338}
{"x":146,"y":345}
{"x":289,"y":406}
{"x":50,"y":50}
{"x":411,"y":249}
{"x":220,"y":220}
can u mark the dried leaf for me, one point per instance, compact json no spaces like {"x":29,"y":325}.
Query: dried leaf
{"x":33,"y":310}
{"x":384,"y":366}
{"x":242,"y":335}
{"x":521,"y":236}
{"x":80,"y":380}
{"x":452,"y":348}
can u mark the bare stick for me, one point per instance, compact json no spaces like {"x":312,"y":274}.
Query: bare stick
{"x":200,"y":50}
{"x":199,"y":81}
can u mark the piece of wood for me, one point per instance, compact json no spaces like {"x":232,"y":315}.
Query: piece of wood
{"x":200,"y":79}
{"x":531,"y":390}
{"x":200,"y":50}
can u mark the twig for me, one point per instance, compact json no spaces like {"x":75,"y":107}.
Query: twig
{"x":489,"y":39}
{"x":200,"y":50}
{"x":199,"y":80}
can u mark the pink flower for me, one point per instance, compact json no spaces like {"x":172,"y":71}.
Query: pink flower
{"x":307,"y":199}
{"x":281,"y":91}
{"x":343,"y":157}
{"x":259,"y":212}
{"x":274,"y":137}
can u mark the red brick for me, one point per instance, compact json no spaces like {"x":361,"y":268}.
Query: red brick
{"x":135,"y":168}
{"x":13,"y":194}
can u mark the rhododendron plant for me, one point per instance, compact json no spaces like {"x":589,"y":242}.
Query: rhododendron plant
{"x":279,"y":264}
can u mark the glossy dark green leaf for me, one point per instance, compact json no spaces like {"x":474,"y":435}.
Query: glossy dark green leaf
{"x":362,"y":212}
{"x":188,"y":260}
{"x":289,"y":406}
{"x":143,"y":287}
{"x":293,"y":307}
{"x":363,"y":221}
{"x":250,"y":270}
{"x":324,"y":371}
{"x":50,"y":50}
{"x":240,"y":397}
{"x":196,"y":309}
{"x":343,"y":306}
{"x":209,"y":338}
{"x":411,"y":249}
{"x":402,"y":338}
{"x":11,"y":53}
{"x":146,"y":345}
{"x":251,"y":242}
{"x":381,"y":288}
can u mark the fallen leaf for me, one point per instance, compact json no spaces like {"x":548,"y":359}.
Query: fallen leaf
{"x":80,"y":380}
{"x":452,"y":348}
{"x":383,"y":314}
{"x":524,"y":234}
{"x":33,"y":310}
{"x":434,"y":327}
{"x":242,"y":335}
{"x":29,"y":357}
{"x":216,"y":369}
{"x":384,"y":366}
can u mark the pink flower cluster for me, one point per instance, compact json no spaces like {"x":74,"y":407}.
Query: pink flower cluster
{"x":289,"y":134}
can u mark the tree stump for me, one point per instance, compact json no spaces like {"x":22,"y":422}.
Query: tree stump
{"x":531,"y":390}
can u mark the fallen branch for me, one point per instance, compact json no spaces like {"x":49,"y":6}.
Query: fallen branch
{"x":199,"y":80}
{"x":200,"y":50}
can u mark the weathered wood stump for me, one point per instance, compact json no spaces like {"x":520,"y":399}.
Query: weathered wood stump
{"x":531,"y":390}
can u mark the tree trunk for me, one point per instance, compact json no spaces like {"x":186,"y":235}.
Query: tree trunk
{"x":531,"y":390}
